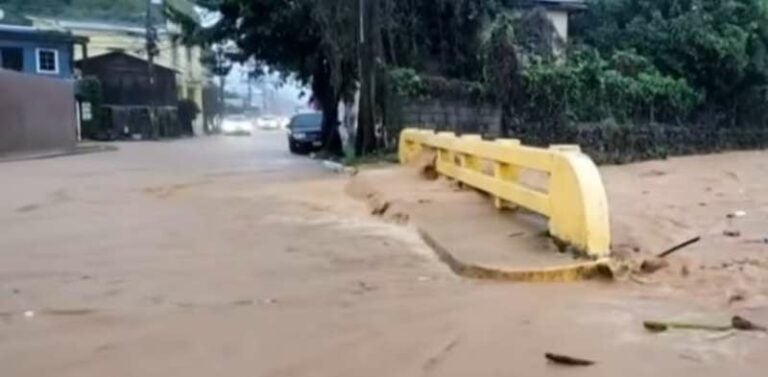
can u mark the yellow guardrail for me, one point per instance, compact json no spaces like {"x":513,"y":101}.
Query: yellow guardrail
{"x":575,"y":201}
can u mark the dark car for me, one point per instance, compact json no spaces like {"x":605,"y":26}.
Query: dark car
{"x":305,"y":132}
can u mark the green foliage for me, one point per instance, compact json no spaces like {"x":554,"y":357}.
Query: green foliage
{"x":89,"y":90}
{"x":536,"y":36}
{"x":587,"y":88}
{"x":718,"y":46}
{"x":217,"y":61}
{"x":615,"y":143}
{"x":407,"y":83}
{"x":113,"y":10}
{"x":438,"y":37}
{"x":501,"y":65}
{"x":631,"y":61}
{"x":314,"y":41}
{"x":298,"y":37}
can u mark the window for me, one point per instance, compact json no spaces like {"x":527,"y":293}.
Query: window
{"x":11,"y":58}
{"x":47,"y":61}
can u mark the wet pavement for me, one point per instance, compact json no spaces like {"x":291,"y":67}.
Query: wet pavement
{"x":228,"y":256}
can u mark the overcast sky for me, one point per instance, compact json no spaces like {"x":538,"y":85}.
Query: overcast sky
{"x":286,"y":94}
{"x":283,"y":98}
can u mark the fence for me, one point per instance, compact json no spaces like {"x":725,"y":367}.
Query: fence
{"x":37,"y":114}
{"x":575,"y":201}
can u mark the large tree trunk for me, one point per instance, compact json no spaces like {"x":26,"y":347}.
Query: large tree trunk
{"x":365,"y":138}
{"x":328,"y":99}
{"x":331,"y":129}
{"x":222,"y":103}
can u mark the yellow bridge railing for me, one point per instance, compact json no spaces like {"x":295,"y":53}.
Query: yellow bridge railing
{"x":574,"y":201}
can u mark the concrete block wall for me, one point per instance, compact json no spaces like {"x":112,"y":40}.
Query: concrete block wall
{"x":461,"y":117}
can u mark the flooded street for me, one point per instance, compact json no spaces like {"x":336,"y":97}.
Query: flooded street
{"x":228,"y":256}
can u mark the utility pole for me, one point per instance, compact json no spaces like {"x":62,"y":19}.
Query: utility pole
{"x":250,"y":91}
{"x":151,"y":47}
{"x":364,"y":135}
{"x":250,"y":69}
{"x":222,"y":71}
{"x":264,"y":99}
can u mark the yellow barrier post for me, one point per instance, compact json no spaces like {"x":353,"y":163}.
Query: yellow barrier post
{"x":575,"y":201}
{"x":505,"y":172}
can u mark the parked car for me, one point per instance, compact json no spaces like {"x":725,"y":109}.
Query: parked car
{"x":268,"y":122}
{"x":305,"y":132}
{"x":236,"y":125}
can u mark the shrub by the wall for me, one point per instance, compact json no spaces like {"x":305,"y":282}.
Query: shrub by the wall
{"x":89,"y":91}
{"x":613,"y":143}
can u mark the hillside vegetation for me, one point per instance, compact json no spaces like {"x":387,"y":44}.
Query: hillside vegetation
{"x":114,"y":10}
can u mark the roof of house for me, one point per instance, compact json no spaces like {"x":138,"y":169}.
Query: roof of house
{"x":95,"y":25}
{"x":563,"y":4}
{"x":30,"y":33}
{"x":114,"y":54}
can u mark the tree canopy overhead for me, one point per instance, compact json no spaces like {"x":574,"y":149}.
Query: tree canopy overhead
{"x":313,"y":40}
{"x":131,"y":11}
{"x":627,"y":60}
{"x":719,"y":46}
{"x":319,"y":41}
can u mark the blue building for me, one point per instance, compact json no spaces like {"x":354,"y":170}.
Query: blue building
{"x":41,"y":52}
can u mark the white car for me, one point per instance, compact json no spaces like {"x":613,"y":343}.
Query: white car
{"x":268,"y":122}
{"x":283,"y":122}
{"x":236,"y":125}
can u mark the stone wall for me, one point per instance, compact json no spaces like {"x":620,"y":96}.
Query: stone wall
{"x":460,"y":117}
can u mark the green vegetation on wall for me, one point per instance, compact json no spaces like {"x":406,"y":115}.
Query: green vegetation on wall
{"x":588,"y":88}
{"x":406,"y":82}
{"x":89,"y":91}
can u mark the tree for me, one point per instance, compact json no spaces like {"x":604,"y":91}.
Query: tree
{"x":369,"y":50}
{"x":119,"y":10}
{"x":438,"y":37}
{"x":502,"y":67}
{"x":314,"y":41}
{"x":718,"y":46}
{"x":219,"y":62}
{"x":512,"y":41}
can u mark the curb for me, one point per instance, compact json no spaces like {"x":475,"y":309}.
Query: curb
{"x":599,"y":269}
{"x":337,"y":167}
{"x":80,"y":149}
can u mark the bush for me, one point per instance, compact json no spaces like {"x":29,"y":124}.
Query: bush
{"x":588,"y":88}
{"x":611,"y":142}
{"x":407,"y":83}
{"x":89,"y":90}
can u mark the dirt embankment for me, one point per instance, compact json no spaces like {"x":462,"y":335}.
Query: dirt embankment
{"x":721,"y":198}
